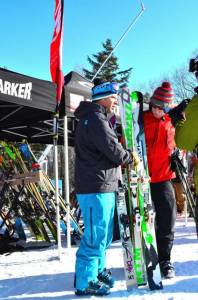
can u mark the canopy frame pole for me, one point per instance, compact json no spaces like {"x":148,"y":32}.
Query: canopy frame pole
{"x":66,"y":181}
{"x":56,"y":175}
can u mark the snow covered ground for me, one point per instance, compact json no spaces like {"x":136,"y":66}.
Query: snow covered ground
{"x":38,"y":274}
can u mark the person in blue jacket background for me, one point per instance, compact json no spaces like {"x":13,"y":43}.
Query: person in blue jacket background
{"x":98,"y":156}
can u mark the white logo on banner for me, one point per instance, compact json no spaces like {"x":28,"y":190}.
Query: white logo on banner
{"x":20,"y":90}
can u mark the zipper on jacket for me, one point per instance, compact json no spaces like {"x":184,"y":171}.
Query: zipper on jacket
{"x":91,"y":223}
{"x":155,"y":137}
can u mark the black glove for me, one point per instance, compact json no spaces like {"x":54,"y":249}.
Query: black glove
{"x":177,"y":113}
{"x":182,"y":105}
{"x":176,"y":162}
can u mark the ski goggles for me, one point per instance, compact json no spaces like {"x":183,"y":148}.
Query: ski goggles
{"x":159,"y":104}
{"x":104,"y":90}
{"x":158,"y":107}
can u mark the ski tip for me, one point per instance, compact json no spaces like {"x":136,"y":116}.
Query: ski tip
{"x":142,"y":6}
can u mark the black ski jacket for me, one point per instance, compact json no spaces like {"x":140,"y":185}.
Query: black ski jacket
{"x":98,"y":152}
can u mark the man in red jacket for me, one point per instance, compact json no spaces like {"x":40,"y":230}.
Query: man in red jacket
{"x":159,"y":134}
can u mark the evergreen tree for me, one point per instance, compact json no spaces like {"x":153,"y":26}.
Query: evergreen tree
{"x":110,"y":71}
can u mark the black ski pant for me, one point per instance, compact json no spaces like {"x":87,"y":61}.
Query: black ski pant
{"x":163,"y":198}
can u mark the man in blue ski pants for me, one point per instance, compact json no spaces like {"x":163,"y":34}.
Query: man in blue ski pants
{"x":98,"y":157}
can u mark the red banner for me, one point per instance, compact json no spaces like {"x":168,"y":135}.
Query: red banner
{"x":56,"y":50}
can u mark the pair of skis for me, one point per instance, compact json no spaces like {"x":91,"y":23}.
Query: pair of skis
{"x":135,"y":212}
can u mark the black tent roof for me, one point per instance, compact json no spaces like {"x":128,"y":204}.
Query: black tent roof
{"x":27,"y":105}
{"x":76,"y":89}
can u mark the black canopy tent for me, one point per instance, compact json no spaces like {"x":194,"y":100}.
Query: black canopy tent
{"x":27,"y":105}
{"x":77,"y":89}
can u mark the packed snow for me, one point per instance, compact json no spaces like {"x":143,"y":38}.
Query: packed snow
{"x":39,"y":274}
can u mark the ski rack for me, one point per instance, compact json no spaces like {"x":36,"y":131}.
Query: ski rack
{"x":23,"y":178}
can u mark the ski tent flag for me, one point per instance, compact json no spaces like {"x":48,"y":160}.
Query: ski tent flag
{"x":56,"y":50}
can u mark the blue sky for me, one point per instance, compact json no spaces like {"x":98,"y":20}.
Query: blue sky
{"x":163,"y":39}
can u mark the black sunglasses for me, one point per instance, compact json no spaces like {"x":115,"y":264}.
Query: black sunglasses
{"x":155,"y":106}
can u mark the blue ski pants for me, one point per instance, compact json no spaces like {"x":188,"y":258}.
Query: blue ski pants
{"x":98,"y":216}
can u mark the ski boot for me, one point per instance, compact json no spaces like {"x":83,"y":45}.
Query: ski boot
{"x":106,"y":277}
{"x":94,"y":289}
{"x":167,"y":270}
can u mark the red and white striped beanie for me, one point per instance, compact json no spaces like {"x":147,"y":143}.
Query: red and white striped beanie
{"x":162,"y":95}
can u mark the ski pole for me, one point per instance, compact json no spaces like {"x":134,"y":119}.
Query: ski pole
{"x":119,"y":41}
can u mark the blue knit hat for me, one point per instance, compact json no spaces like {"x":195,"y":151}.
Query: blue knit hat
{"x":104,"y":90}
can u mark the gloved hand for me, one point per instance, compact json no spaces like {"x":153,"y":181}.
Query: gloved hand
{"x":177,"y":113}
{"x":135,"y":159}
{"x":176,"y":162}
{"x":182,"y":105}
